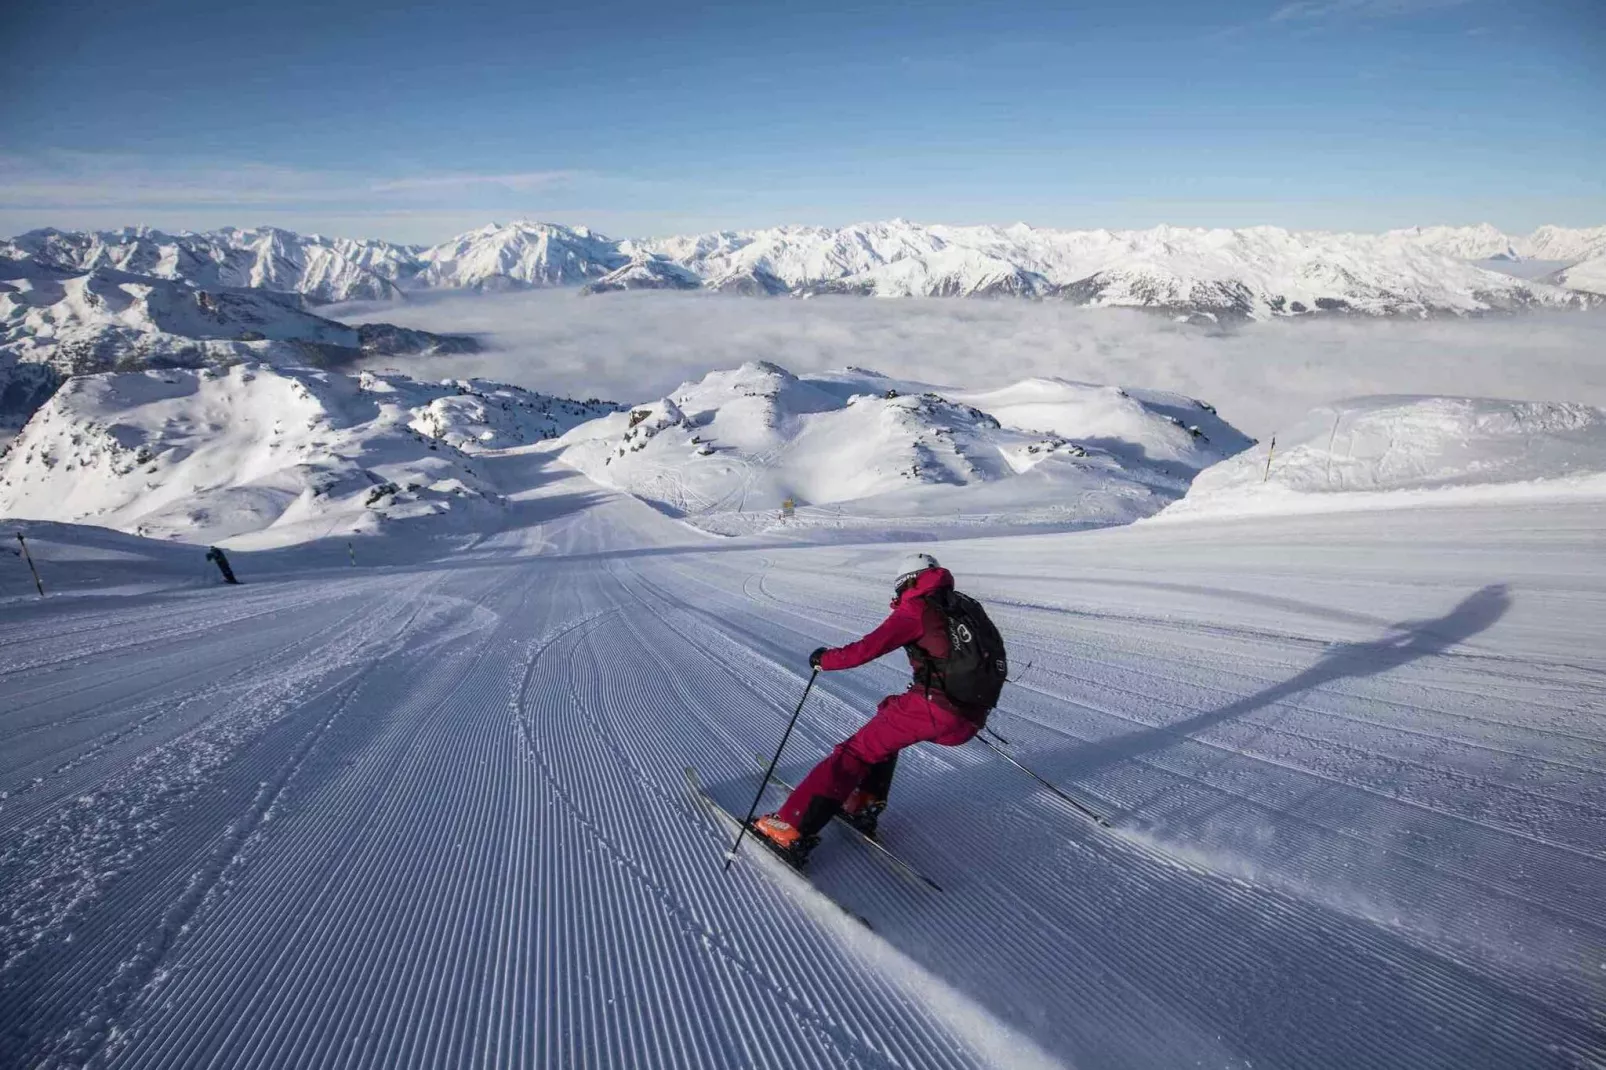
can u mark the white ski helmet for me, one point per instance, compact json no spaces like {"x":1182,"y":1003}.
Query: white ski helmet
{"x":912,"y":565}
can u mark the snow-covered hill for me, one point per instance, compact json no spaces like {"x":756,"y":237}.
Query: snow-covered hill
{"x":856,"y":450}
{"x":1341,"y":455}
{"x":1255,"y":272}
{"x":270,"y":455}
{"x":1587,"y":275}
{"x":56,"y":323}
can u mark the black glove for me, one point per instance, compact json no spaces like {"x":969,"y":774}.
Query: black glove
{"x":814,"y":659}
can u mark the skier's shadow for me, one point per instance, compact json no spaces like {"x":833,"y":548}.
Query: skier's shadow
{"x":1405,"y":642}
{"x":1145,"y":925}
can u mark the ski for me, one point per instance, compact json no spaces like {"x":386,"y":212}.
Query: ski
{"x":777,"y":865}
{"x":880,"y":849}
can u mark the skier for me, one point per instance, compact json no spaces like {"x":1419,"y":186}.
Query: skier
{"x":855,"y":777}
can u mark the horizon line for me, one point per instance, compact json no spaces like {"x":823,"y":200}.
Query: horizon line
{"x":530,"y":223}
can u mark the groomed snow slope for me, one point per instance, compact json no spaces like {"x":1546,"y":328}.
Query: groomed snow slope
{"x":1391,"y":450}
{"x":857,"y":451}
{"x":260,"y":456}
{"x":434,"y":815}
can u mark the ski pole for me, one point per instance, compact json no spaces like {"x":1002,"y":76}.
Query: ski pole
{"x":762,"y":784}
{"x":1096,"y":818}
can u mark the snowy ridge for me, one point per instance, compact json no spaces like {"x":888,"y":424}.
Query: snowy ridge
{"x":1355,"y":448}
{"x":268,"y":456}
{"x":645,"y":272}
{"x":321,"y":269}
{"x":854,"y":449}
{"x":1587,"y":275}
{"x":1253,"y":272}
{"x":56,"y":323}
{"x":498,"y":257}
{"x":1485,"y":242}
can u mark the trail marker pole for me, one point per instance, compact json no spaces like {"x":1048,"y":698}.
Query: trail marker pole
{"x":1271,"y":449}
{"x":26,"y":556}
{"x":1337,"y":416}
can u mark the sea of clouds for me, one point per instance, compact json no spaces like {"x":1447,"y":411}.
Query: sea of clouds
{"x":1261,"y":376}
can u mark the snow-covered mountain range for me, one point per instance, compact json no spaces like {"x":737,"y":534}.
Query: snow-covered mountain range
{"x":1485,"y":242}
{"x":271,"y":455}
{"x":321,"y":269}
{"x":56,"y":322}
{"x":256,"y":455}
{"x":264,"y":455}
{"x":1255,"y":272}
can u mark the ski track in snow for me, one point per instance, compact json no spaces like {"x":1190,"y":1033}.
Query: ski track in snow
{"x":435,"y":815}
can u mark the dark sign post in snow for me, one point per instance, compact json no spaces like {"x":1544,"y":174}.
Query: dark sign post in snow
{"x":26,"y":556}
{"x":216,"y":555}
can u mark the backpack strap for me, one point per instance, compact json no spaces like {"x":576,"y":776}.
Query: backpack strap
{"x":928,"y":675}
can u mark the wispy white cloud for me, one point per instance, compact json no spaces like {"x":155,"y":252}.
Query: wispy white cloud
{"x":1316,"y":10}
{"x":78,"y":180}
{"x":522,"y":182}
{"x":73,"y":179}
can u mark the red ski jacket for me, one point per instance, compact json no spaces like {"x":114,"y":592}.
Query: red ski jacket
{"x":913,"y":621}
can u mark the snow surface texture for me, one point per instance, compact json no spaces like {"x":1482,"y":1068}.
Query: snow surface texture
{"x":433,"y":814}
{"x":857,"y":452}
{"x":254,"y":455}
{"x":1384,"y":446}
{"x":1255,"y":272}
{"x":55,"y":323}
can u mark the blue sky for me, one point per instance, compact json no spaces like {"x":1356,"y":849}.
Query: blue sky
{"x":416,"y":122}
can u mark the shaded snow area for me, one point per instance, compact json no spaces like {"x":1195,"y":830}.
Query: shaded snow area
{"x":1402,"y":451}
{"x":434,"y":813}
{"x":857,"y":453}
{"x":254,"y":455}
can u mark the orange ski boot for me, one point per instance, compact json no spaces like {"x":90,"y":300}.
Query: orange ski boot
{"x":863,"y":811}
{"x":783,"y":839}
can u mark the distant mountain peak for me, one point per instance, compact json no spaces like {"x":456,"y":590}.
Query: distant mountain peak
{"x":1252,"y":272}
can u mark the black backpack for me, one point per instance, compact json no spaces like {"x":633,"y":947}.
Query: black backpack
{"x":976,"y":667}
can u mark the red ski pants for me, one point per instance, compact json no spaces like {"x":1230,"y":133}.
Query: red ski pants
{"x":899,"y":721}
